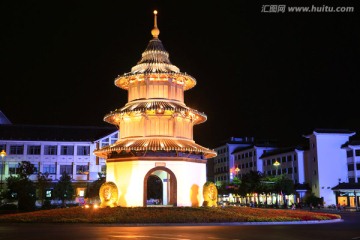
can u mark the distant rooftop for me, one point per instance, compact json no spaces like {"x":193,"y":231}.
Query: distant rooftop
{"x":324,"y":130}
{"x":54,"y":133}
{"x":345,"y":132}
{"x":346,"y":186}
{"x":260,"y":144}
{"x":279,"y":151}
{"x":237,"y":140}
{"x":4,"y":119}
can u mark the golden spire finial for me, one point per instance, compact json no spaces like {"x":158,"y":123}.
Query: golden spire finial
{"x":155,"y":31}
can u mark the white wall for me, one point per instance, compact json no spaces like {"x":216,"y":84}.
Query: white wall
{"x":330,"y":164}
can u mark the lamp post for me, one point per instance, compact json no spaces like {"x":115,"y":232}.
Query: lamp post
{"x":2,"y":154}
{"x":276,"y":164}
{"x":237,"y":171}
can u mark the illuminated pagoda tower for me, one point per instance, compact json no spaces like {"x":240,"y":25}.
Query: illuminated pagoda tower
{"x":156,"y":134}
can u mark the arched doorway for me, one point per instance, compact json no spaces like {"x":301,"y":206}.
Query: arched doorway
{"x":168,"y":190}
{"x":154,"y":190}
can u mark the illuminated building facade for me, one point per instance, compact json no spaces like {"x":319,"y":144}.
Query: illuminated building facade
{"x":156,"y":134}
{"x":329,"y":164}
{"x":53,"y":150}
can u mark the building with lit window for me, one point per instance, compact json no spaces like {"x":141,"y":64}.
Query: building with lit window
{"x":291,"y":163}
{"x":332,"y":166}
{"x":329,"y":164}
{"x":237,"y":156}
{"x":54,"y":150}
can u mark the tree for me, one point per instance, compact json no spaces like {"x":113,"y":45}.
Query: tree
{"x":12,"y":183}
{"x":63,"y":189}
{"x":93,"y":189}
{"x":43,"y":182}
{"x":236,"y":181}
{"x":221,"y":186}
{"x":21,"y":188}
{"x":268,"y":186}
{"x":282,"y":186}
{"x":25,"y":169}
{"x":313,"y":200}
{"x":250,"y":183}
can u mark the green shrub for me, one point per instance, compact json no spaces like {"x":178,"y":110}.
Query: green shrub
{"x":46,"y":204}
{"x":8,"y":206}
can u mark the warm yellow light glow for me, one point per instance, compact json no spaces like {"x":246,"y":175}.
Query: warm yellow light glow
{"x":155,"y":119}
{"x":160,"y":110}
{"x":93,"y":206}
{"x":129,"y":144}
{"x":3,"y":153}
{"x":276,"y":163}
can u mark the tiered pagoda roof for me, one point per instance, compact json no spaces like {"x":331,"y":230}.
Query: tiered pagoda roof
{"x":155,"y":60}
{"x":155,"y":66}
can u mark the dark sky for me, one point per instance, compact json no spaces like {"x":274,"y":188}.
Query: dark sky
{"x":267,"y":75}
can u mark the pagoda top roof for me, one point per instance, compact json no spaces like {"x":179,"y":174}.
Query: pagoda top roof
{"x":155,"y":60}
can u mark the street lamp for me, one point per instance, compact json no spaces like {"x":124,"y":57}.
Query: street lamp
{"x":237,"y":171}
{"x":276,"y":164}
{"x":2,"y":154}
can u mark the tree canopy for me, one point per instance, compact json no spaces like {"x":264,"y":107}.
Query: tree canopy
{"x":64,"y":189}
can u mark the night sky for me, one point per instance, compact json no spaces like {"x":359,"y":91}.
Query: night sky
{"x":267,"y":75}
